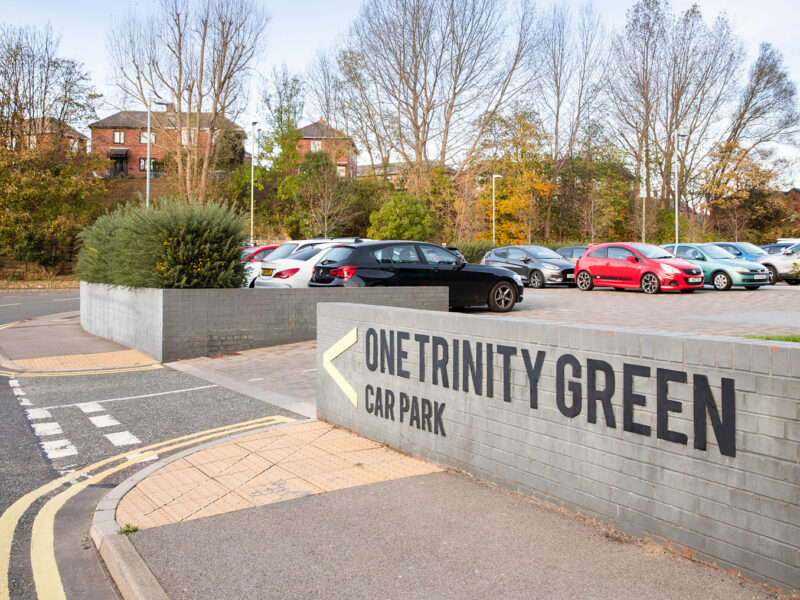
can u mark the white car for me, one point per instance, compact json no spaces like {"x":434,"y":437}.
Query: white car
{"x":294,"y":271}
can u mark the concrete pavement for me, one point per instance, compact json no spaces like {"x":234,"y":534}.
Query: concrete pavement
{"x":308,"y":510}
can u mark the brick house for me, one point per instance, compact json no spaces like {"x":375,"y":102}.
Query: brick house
{"x":122,"y":137}
{"x":321,"y":137}
{"x":46,"y":131}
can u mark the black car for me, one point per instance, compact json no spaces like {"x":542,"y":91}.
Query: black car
{"x":417,"y":263}
{"x":572,"y":253}
{"x":536,"y":265}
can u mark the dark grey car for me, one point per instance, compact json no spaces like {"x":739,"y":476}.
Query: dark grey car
{"x":538,"y":266}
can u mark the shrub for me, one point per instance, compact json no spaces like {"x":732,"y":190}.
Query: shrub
{"x":402,"y":217}
{"x":171,"y":245}
{"x":474,"y":251}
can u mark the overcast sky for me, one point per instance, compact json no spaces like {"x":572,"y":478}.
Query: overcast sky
{"x":298,"y":28}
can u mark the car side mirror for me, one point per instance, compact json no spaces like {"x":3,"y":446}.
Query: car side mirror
{"x":526,"y":260}
{"x":631,"y":259}
{"x":700,"y":257}
{"x":787,"y":250}
{"x":460,"y":261}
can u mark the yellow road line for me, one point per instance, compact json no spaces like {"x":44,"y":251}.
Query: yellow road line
{"x":12,"y":515}
{"x":18,"y":374}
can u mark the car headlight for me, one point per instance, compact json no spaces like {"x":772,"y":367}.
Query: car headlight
{"x":550,"y":266}
{"x":741,"y":269}
{"x":670,"y":269}
{"x":518,"y":279}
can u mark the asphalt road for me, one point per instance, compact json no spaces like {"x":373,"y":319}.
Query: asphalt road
{"x":71,"y":422}
{"x":18,"y":305}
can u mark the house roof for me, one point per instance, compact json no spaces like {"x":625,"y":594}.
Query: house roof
{"x":321,"y":131}
{"x":51,"y":125}
{"x":392,"y":169}
{"x":137,"y":119}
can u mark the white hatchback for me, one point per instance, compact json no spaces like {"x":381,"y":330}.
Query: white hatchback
{"x":294,"y":271}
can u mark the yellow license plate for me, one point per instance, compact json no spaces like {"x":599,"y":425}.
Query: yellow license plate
{"x":266,"y":272}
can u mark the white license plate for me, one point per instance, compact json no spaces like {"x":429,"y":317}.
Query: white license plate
{"x":760,"y":277}
{"x":570,"y":275}
{"x":694,"y":279}
{"x":266,"y":272}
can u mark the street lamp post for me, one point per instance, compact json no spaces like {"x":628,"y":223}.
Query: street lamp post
{"x":677,"y":184}
{"x":147,"y":165}
{"x":493,"y":211}
{"x":252,"y":176}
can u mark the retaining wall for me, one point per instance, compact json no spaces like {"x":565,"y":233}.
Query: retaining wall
{"x":690,"y":439}
{"x":173,"y":324}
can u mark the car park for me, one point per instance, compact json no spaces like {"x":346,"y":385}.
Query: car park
{"x":537,"y":265}
{"x":783,"y":266}
{"x":742,"y":250}
{"x":572,"y":253}
{"x":635,"y":265}
{"x":720,"y":268}
{"x":291,"y":272}
{"x":404,"y":263}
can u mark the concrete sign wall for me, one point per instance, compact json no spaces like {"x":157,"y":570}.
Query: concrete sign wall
{"x":689,"y":439}
{"x":173,"y":324}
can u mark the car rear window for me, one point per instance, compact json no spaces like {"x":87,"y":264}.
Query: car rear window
{"x":283,"y":250}
{"x":304,"y":254}
{"x":338,"y":254}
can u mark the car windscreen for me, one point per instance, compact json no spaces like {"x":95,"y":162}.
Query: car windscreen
{"x":795,"y":248}
{"x":304,"y":254}
{"x":717,"y":252}
{"x":651,"y":251}
{"x":283,"y":250}
{"x":337,"y":254}
{"x":542,"y":252}
{"x":748,"y":248}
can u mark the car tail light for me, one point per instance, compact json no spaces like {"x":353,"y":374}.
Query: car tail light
{"x":285,"y":274}
{"x":343,"y":272}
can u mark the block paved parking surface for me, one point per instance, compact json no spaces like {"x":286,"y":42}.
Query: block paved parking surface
{"x":283,"y":463}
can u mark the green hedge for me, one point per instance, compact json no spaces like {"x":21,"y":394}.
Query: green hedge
{"x":170,"y":245}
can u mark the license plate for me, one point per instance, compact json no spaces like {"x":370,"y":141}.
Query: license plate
{"x":694,"y":279}
{"x":760,"y":277}
{"x":570,"y":275}
{"x":266,"y":272}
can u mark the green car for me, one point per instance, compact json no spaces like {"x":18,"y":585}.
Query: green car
{"x":720,"y":268}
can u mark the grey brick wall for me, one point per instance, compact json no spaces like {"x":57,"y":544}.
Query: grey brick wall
{"x":740,"y":508}
{"x":173,"y":324}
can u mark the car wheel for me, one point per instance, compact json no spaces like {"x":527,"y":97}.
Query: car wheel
{"x":584,"y":281}
{"x":537,"y":280}
{"x":721,"y":281}
{"x":793,"y":281}
{"x":502,"y":297}
{"x":253,"y":283}
{"x":752,"y":287}
{"x":650,"y":284}
{"x":773,"y":275}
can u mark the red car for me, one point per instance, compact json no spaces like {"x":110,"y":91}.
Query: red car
{"x":633,"y":265}
{"x":256,"y":253}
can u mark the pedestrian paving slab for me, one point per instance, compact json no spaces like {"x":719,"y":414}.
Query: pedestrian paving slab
{"x":272,"y":466}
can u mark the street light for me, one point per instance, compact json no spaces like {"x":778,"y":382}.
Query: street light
{"x":677,"y":184}
{"x":493,"y":228}
{"x":147,"y":165}
{"x":252,"y":176}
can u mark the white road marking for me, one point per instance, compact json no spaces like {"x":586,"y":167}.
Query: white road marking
{"x":13,"y":382}
{"x":66,"y":299}
{"x":18,"y":391}
{"x":79,"y":404}
{"x":136,"y":455}
{"x":256,"y":379}
{"x":42,"y":429}
{"x":58,"y":449}
{"x":308,"y":370}
{"x":25,"y":402}
{"x":15,"y":304}
{"x":37,"y":413}
{"x":104,"y":421}
{"x":90,"y":407}
{"x":123,"y":438}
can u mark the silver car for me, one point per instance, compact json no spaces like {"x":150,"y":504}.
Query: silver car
{"x":784,"y":266}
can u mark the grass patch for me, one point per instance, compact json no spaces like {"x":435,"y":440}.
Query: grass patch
{"x":128,"y":529}
{"x":776,"y":338}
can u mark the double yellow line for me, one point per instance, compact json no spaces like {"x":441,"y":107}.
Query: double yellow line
{"x":43,"y":559}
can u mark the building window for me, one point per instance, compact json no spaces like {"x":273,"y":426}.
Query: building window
{"x":119,"y":137}
{"x":73,"y":145}
{"x":143,"y":164}
{"x":187,"y":136}
{"x":341,"y":170}
{"x":143,"y":137}
{"x":31,"y":141}
{"x":316,"y":145}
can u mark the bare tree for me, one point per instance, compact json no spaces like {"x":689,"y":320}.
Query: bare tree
{"x":572,"y":58}
{"x":40,"y":92}
{"x":197,"y":55}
